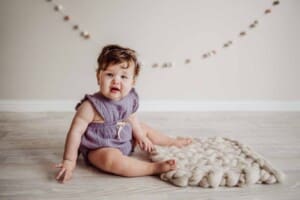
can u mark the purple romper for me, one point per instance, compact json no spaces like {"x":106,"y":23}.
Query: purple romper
{"x":114,"y":132}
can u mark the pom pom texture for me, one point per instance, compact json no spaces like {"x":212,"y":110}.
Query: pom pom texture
{"x":215,"y":162}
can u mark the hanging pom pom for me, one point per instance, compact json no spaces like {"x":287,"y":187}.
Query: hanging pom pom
{"x":252,"y":26}
{"x":227,"y":44}
{"x":267,"y":11}
{"x":85,"y":34}
{"x":187,"y":61}
{"x":165,"y":65}
{"x":75,"y":27}
{"x":154,"y":65}
{"x":204,"y":56}
{"x":243,"y":33}
{"x":66,"y":18}
{"x":275,"y":3}
{"x":58,"y":7}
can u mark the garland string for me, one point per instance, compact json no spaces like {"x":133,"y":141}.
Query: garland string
{"x":167,"y":64}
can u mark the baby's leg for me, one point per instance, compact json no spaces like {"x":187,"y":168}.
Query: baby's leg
{"x":113,"y":161}
{"x":161,"y":139}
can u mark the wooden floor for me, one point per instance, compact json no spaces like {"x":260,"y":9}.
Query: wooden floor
{"x":31,"y":143}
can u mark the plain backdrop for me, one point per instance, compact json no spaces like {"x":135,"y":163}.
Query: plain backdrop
{"x":43,"y":58}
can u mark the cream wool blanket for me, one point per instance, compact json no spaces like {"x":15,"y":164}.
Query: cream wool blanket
{"x":213,"y":162}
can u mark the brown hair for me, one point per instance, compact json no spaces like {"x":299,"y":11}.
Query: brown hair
{"x":115,"y":54}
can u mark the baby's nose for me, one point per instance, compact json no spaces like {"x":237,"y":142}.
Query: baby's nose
{"x":116,"y":79}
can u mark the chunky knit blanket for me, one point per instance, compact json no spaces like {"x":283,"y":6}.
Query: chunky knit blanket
{"x":213,"y":162}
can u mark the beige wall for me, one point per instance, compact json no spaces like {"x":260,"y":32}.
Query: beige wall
{"x":42,"y":58}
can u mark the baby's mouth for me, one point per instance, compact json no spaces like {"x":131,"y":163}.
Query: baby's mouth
{"x":114,"y":89}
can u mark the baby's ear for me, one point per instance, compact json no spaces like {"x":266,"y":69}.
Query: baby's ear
{"x":98,"y":78}
{"x":134,"y":81}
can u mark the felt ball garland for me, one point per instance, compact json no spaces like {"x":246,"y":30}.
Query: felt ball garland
{"x":167,"y":64}
{"x":66,"y":17}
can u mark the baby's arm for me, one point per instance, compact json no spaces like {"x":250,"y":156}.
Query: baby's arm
{"x":84,"y":115}
{"x":139,"y":134}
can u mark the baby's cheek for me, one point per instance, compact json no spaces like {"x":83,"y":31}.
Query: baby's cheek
{"x":126,"y":90}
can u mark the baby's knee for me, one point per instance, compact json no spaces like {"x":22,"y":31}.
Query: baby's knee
{"x":111,"y":161}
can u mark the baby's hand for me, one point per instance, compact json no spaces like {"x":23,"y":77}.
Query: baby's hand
{"x":145,"y":144}
{"x":66,"y":170}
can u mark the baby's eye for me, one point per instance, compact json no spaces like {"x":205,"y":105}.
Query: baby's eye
{"x":109,"y":75}
{"x":124,"y":77}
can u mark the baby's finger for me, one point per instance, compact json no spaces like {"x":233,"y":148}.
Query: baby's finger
{"x":57,"y":165}
{"x":152,"y":149}
{"x":148,"y":148}
{"x":67,"y":176}
{"x":61,"y":172}
{"x":142,"y":145}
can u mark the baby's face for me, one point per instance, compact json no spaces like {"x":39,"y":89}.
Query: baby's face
{"x":116,"y":81}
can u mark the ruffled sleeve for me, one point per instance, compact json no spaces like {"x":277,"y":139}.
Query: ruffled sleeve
{"x":81,"y":101}
{"x":96,"y":103}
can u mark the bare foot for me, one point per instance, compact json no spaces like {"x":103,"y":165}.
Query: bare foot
{"x":164,"y":166}
{"x":181,"y":142}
